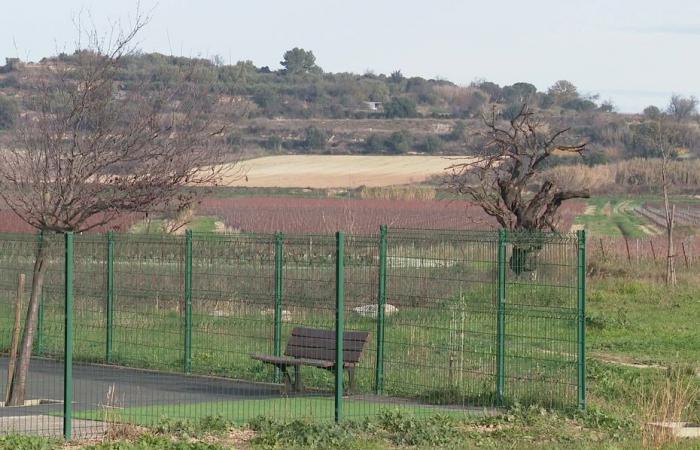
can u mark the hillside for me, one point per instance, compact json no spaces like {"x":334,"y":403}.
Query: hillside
{"x":301,"y":109}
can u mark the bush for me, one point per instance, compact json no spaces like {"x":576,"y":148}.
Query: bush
{"x":400,"y":107}
{"x":459,"y":131}
{"x":375,"y":143}
{"x":432,"y":144}
{"x":9,"y":81}
{"x":399,"y":142}
{"x":8,"y":113}
{"x":233,"y":140}
{"x":314,"y":138}
{"x":274,"y":143}
{"x":579,"y":104}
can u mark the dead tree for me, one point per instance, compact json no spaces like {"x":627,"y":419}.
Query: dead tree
{"x":504,"y":177}
{"x":87,"y":151}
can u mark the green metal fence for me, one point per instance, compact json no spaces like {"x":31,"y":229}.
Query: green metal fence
{"x":138,"y":328}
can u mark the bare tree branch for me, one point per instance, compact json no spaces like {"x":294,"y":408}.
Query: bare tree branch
{"x":503,"y":176}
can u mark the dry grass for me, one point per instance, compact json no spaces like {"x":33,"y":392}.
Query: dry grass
{"x":626,"y":176}
{"x":398,"y":192}
{"x":669,"y":403}
{"x":329,"y":171}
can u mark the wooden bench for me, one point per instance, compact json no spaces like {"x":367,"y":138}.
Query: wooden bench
{"x":316,"y":348}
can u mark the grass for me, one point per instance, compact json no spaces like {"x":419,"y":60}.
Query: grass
{"x":241,"y":412}
{"x":614,"y":215}
{"x":198,"y":224}
{"x":644,"y":322}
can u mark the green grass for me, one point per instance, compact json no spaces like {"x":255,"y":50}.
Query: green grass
{"x":614,"y":215}
{"x":645,"y":321}
{"x":198,"y":224}
{"x":241,"y":412}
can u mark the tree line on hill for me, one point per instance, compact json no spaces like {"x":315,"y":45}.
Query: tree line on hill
{"x":300,"y":89}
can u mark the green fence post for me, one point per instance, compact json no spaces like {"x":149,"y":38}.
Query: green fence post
{"x":339,"y":322}
{"x":381,"y":304}
{"x":501,"y":318}
{"x":581,"y":235}
{"x":279,"y":241}
{"x":188,"y":301}
{"x":110,"y":296}
{"x":68,"y":339}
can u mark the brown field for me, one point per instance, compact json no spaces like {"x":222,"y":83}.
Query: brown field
{"x":337,"y":171}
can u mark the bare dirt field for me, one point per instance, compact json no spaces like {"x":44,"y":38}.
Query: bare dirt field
{"x":331,"y":171}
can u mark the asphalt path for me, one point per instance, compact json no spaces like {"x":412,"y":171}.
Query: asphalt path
{"x":98,"y":386}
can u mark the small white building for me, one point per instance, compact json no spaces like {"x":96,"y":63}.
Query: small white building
{"x":373,"y":106}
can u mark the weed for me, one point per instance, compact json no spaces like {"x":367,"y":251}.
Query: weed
{"x":16,"y":442}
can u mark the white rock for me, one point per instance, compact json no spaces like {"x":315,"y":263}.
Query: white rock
{"x":371,"y":310}
{"x":286,"y":315}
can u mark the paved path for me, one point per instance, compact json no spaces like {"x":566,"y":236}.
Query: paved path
{"x":99,"y":387}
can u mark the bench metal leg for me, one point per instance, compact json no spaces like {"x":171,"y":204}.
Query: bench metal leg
{"x":286,"y":377}
{"x":298,"y":384}
{"x":351,"y":380}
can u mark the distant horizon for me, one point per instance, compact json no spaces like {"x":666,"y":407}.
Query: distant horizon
{"x":631,"y":52}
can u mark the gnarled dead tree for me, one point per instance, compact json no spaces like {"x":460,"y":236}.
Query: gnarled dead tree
{"x":87,"y":151}
{"x":504,"y":176}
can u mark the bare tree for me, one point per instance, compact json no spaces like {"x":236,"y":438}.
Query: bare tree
{"x":664,"y":142}
{"x":87,"y":151}
{"x":505,"y":176}
{"x":682,"y":108}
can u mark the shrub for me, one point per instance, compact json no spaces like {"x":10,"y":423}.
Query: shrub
{"x":432,"y":144}
{"x":399,"y":142}
{"x":314,"y":138}
{"x":399,"y":107}
{"x":233,"y":140}
{"x":8,"y":113}
{"x":273,"y":142}
{"x":375,"y":143}
{"x":459,"y":131}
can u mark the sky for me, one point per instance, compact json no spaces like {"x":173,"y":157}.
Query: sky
{"x":634,"y":52}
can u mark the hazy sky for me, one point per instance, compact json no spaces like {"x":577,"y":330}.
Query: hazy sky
{"x":636,"y":52}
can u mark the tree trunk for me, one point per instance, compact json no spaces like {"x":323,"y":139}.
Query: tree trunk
{"x":670,"y":256}
{"x":670,"y":222}
{"x":19,"y":382}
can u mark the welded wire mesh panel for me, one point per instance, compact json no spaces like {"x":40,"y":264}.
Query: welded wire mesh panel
{"x":233,"y":304}
{"x":148,"y":301}
{"x":33,"y":413}
{"x":361,"y":265}
{"x":90,"y":297}
{"x":440,"y":325}
{"x":308,"y":303}
{"x":185,"y":327}
{"x":541,"y":319}
{"x":137,"y":329}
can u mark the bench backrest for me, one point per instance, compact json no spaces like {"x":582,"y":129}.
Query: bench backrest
{"x":314,"y":343}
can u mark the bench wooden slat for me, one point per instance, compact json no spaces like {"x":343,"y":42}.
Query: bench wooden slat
{"x":291,"y":361}
{"x":329,"y":334}
{"x":308,"y":342}
{"x":327,"y":354}
{"x":320,"y":344}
